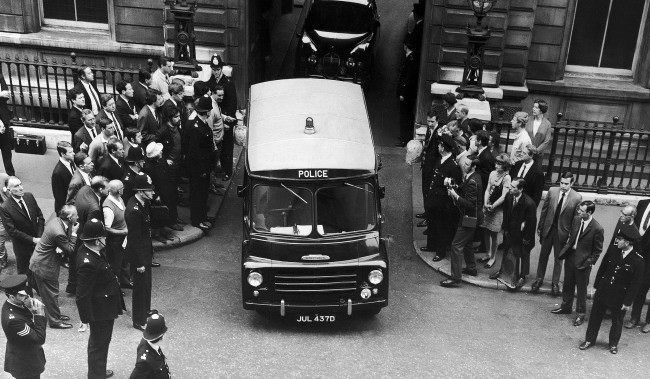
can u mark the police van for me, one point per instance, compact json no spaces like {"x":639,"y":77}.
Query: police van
{"x":312,"y":241}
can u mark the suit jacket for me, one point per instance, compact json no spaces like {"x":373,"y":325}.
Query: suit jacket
{"x":45,"y":261}
{"x":74,"y":120}
{"x":534,"y":180}
{"x":80,"y":87}
{"x":590,"y":244}
{"x":437,"y":199}
{"x":82,"y":136}
{"x":470,"y":201}
{"x":485,"y":166}
{"x":139,"y":95}
{"x":88,"y":207}
{"x":61,"y":177}
{"x":139,"y":248}
{"x":75,"y":185}
{"x":444,"y":117}
{"x":519,"y":223}
{"x":200,"y":148}
{"x":542,"y":139}
{"x":19,"y":226}
{"x":98,"y":294}
{"x":569,"y":208}
{"x":24,"y":356}
{"x":110,"y":169}
{"x":104,"y":114}
{"x":407,"y":85}
{"x":149,"y":125}
{"x":149,"y":363}
{"x":124,"y":110}
{"x":618,"y":279}
{"x":643,"y":245}
{"x":169,"y":103}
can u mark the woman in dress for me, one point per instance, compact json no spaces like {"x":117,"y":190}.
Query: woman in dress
{"x":522,"y":139}
{"x":495,"y":194}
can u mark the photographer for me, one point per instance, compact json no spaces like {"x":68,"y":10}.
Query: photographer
{"x":60,"y":232}
{"x":469,"y":200}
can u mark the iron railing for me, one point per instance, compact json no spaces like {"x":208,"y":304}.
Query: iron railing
{"x":38,"y":87}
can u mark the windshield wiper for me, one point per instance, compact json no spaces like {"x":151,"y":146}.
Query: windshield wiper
{"x":293,"y":193}
{"x":357,"y":187}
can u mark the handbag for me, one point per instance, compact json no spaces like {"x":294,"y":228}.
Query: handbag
{"x":497,"y":191}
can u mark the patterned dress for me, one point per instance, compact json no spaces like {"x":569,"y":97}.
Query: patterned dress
{"x":493,"y":219}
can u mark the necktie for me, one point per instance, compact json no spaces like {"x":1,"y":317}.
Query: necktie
{"x":92,"y":132}
{"x":558,"y":209}
{"x":118,"y":129}
{"x":522,"y":171}
{"x":72,"y":168}
{"x":582,"y":227}
{"x":646,"y":224}
{"x":24,"y":207}
{"x":93,"y":93}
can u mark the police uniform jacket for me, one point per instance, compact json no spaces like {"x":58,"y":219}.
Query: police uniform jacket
{"x":127,"y":181}
{"x":200,"y":148}
{"x":98,"y":290}
{"x":437,"y":197}
{"x":139,"y":249}
{"x":25,"y":332}
{"x":619,"y":279}
{"x":150,"y":364}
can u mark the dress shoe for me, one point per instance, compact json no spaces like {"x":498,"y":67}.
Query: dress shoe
{"x":176,"y":227}
{"x":631,"y":324}
{"x":109,"y":373}
{"x":64,"y":318}
{"x":520,"y":283}
{"x":161,"y":239}
{"x":469,"y":272}
{"x":561,"y":311}
{"x":495,"y":275}
{"x":154,"y":264}
{"x":139,"y":327}
{"x":646,"y":328}
{"x":422,"y":224}
{"x":425,"y":248}
{"x":203,"y":226}
{"x":450,"y":283}
{"x":585,"y":345}
{"x":483,"y":260}
{"x":613,"y":349}
{"x":580,"y":318}
{"x":127,"y":285}
{"x":60,"y":325}
{"x":152,"y":312}
{"x":225,"y":178}
{"x":180,"y":221}
{"x":211,"y":219}
{"x":420,"y":215}
{"x":534,"y":288}
{"x":555,"y":290}
{"x":438,"y":258}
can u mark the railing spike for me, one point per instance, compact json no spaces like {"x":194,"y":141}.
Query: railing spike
{"x":559,"y":116}
{"x":616,"y":119}
{"x":73,"y":56}
{"x":150,"y":64}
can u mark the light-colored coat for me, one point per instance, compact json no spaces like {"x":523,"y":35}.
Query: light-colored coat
{"x":568,"y":212}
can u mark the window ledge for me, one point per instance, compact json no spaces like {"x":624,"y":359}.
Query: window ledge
{"x":604,"y":87}
{"x":78,"y":39}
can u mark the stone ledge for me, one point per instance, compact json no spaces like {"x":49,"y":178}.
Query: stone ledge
{"x":592,"y":88}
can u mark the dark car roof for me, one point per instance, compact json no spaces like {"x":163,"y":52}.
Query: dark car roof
{"x":360,"y":2}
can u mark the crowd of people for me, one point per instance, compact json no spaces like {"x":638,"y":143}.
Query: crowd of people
{"x":473,"y":191}
{"x":116,"y":186}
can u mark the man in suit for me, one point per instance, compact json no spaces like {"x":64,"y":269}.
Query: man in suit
{"x":60,"y":233}
{"x":6,"y":131}
{"x":140,"y":89}
{"x":86,"y":85}
{"x":24,"y":222}
{"x":519,"y":222}
{"x":429,"y":157}
{"x":24,"y":324}
{"x":78,"y":101}
{"x":539,"y":129}
{"x":139,"y":248}
{"x":149,"y":118}
{"x":617,"y":282}
{"x":580,"y":252}
{"x":62,"y":174}
{"x":175,"y":101}
{"x":88,"y":202}
{"x":469,"y":201}
{"x":98,"y":296}
{"x":160,"y":78}
{"x":559,"y":208}
{"x":441,"y":213}
{"x":124,"y":107}
{"x":407,"y":92}
{"x":98,"y":147}
{"x":109,"y":112}
{"x":485,"y":158}
{"x":81,"y":176}
{"x":112,"y":166}
{"x":531,"y":172}
{"x":84,"y":136}
{"x":642,"y":246}
{"x":151,"y":360}
{"x":449,"y":112}
{"x":228,"y":112}
{"x":200,"y":155}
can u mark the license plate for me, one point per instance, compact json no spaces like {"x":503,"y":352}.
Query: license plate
{"x":315,"y":318}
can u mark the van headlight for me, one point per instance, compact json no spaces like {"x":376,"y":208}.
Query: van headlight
{"x":375,"y":277}
{"x":254,"y":279}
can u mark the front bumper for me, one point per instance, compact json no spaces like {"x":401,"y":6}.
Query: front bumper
{"x":349,"y":308}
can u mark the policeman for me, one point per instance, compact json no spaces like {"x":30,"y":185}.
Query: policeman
{"x":617,"y":282}
{"x":23,"y":321}
{"x":139,"y":248}
{"x":150,"y":362}
{"x":200,"y":155}
{"x":99,"y":299}
{"x":135,"y":161}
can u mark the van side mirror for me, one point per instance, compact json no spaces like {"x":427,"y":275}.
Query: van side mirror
{"x":382,"y":192}
{"x":380,"y":164}
{"x":240,"y":190}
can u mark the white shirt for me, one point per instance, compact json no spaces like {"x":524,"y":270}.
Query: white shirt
{"x":584,"y":225}
{"x":153,"y":111}
{"x":20,"y":201}
{"x":524,"y":169}
{"x":115,"y":160}
{"x":521,"y":141}
{"x":445,"y":157}
{"x":66,"y":164}
{"x":85,"y":177}
{"x":628,"y":251}
{"x":94,"y":100}
{"x":644,"y":219}
{"x":536,"y":125}
{"x":108,"y":212}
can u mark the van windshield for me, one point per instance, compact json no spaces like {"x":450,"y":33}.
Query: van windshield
{"x":348,"y":207}
{"x":282,"y":209}
{"x":340,"y":17}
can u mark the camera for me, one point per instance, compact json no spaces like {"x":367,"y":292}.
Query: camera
{"x":450,"y":183}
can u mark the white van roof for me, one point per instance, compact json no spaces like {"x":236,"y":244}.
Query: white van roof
{"x":276,"y":124}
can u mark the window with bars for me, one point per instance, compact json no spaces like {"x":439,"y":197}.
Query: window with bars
{"x":95,"y":11}
{"x":606,"y":33}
